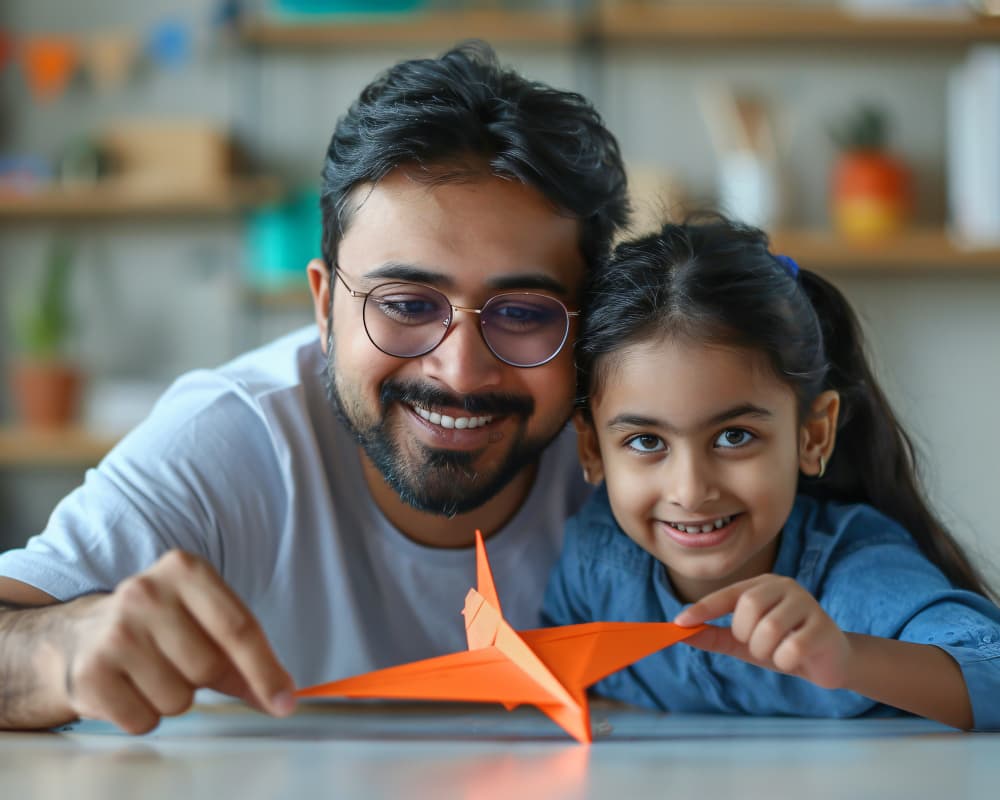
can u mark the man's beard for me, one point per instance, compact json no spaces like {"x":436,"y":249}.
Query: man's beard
{"x":437,"y":481}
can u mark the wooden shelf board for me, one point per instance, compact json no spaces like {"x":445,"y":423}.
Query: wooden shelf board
{"x":69,"y":447}
{"x":112,"y":201}
{"x":633,"y":21}
{"x":926,"y":250}
{"x":441,"y":27}
{"x":290,"y":298}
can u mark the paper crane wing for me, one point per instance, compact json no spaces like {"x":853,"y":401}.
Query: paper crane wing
{"x":583,"y":654}
{"x":548,"y":668}
{"x":483,"y":675}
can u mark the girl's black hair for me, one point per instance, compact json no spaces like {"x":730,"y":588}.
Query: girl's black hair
{"x":462,"y":115}
{"x":713,"y":280}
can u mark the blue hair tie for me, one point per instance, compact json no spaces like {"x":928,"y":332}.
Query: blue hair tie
{"x":789,"y":264}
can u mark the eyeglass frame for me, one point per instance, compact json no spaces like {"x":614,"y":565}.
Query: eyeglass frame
{"x":478,"y":311}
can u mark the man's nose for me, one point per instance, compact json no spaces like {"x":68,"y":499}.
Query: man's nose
{"x":462,"y":362}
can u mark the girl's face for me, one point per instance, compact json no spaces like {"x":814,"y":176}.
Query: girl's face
{"x":701,"y":448}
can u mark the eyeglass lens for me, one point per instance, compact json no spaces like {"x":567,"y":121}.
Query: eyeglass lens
{"x":523,"y":329}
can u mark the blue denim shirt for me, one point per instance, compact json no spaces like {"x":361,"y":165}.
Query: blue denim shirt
{"x":866,"y":571}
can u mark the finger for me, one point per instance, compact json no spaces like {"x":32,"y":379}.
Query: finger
{"x":715,"y":604}
{"x":809,"y":652}
{"x":781,"y":621}
{"x":135,"y":654}
{"x":754,"y":604}
{"x":185,"y":644}
{"x":97,"y":691}
{"x":233,"y":684}
{"x":717,"y":639}
{"x":227,"y":621}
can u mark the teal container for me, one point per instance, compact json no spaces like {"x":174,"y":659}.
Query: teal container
{"x":347,"y":6}
{"x":281,"y":240}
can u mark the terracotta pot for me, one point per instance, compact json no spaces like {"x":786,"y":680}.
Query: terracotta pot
{"x":46,"y":393}
{"x":870,"y":194}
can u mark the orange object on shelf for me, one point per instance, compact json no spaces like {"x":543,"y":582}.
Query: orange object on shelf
{"x":547,"y":667}
{"x":871,"y":194}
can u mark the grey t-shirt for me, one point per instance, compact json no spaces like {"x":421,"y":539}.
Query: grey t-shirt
{"x":247,"y":466}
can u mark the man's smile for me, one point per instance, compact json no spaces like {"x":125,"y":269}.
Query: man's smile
{"x":456,"y":421}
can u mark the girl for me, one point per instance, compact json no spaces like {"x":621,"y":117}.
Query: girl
{"x":754,"y":471}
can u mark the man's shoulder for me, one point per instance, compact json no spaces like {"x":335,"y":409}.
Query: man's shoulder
{"x":290,"y":367}
{"x":287,"y":362}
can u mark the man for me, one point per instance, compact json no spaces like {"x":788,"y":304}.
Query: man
{"x":306,"y":511}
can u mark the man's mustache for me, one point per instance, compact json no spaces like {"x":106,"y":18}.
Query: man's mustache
{"x":494,"y":403}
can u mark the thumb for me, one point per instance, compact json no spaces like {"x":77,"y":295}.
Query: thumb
{"x":716,"y":639}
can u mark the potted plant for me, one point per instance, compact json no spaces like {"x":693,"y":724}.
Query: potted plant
{"x":870,"y":192}
{"x":45,"y":385}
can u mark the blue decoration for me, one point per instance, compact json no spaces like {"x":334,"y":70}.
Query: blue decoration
{"x":789,"y":264}
{"x":170,"y":44}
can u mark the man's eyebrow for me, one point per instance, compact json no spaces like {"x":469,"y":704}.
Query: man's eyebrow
{"x":538,"y":281}
{"x":629,"y":420}
{"x":412,"y":273}
{"x":400,"y":271}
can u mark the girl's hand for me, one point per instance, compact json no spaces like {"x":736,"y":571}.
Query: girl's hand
{"x":776,"y":624}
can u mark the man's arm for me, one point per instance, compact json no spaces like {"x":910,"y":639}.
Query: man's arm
{"x":135,"y":655}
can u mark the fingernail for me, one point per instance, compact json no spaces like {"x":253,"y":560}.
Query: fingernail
{"x":283,"y":703}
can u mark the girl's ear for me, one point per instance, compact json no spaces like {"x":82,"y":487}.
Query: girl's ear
{"x":588,"y":449}
{"x":819,"y":433}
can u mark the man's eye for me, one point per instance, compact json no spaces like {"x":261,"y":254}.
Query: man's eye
{"x":645,"y":443}
{"x":734,"y":437}
{"x":413,"y":310}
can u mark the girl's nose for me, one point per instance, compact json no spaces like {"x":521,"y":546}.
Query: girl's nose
{"x":690,"y":481}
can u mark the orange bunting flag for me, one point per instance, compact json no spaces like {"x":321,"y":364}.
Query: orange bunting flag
{"x":548,"y":667}
{"x":49,"y":63}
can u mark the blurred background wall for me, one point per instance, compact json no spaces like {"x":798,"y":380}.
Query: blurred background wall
{"x":178,"y":253}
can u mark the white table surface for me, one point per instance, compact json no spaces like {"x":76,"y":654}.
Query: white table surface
{"x":474,"y":752}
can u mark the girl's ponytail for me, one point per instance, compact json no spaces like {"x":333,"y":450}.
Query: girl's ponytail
{"x":873,"y":461}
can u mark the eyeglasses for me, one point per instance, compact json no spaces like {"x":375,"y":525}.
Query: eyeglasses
{"x":406,"y":320}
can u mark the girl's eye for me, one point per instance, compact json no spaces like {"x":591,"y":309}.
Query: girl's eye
{"x":734,"y":437}
{"x":645,"y":443}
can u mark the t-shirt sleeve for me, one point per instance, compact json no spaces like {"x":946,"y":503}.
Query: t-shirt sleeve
{"x":890,"y":589}
{"x":200,"y":474}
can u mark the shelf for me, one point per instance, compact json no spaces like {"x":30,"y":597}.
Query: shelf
{"x":440,"y":27}
{"x":629,"y":22}
{"x":112,"y":201}
{"x":70,"y":447}
{"x":921,"y":250}
{"x":279,"y":299}
{"x":633,"y":21}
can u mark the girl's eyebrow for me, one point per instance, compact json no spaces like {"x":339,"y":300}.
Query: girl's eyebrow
{"x":629,"y":420}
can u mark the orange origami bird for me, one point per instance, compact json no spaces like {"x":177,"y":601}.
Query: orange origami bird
{"x":548,"y":667}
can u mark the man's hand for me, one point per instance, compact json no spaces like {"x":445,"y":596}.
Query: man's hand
{"x":139,"y":653}
{"x":776,"y":624}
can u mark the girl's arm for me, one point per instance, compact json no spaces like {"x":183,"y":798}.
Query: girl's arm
{"x":919,"y":678}
{"x":778,"y":625}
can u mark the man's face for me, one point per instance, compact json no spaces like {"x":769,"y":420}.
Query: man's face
{"x":449,"y":429}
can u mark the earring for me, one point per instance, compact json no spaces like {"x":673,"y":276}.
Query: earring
{"x":586,"y":475}
{"x":822,"y":467}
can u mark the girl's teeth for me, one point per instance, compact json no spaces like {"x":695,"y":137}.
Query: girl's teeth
{"x":458,"y":423}
{"x":708,"y":527}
